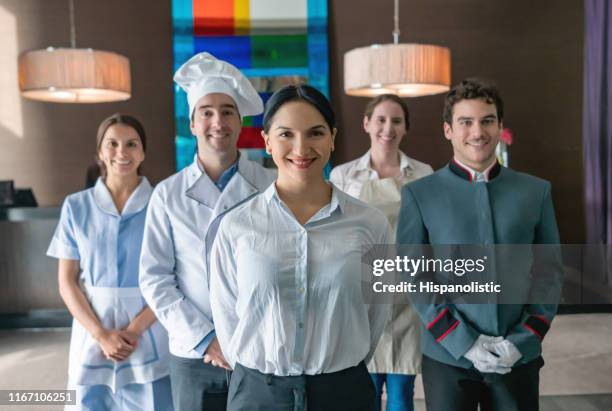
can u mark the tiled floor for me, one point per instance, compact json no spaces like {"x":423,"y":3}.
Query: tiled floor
{"x":577,"y":375}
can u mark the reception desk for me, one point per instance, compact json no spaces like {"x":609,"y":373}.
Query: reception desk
{"x":28,"y":278}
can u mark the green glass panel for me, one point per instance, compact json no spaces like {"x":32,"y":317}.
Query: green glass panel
{"x":279,"y":51}
{"x":247,"y":121}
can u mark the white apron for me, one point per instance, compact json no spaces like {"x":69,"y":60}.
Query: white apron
{"x":115,"y":308}
{"x":398,"y":351}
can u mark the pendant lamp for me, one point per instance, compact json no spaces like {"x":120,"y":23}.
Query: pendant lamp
{"x":408,"y":69}
{"x":74,"y":75}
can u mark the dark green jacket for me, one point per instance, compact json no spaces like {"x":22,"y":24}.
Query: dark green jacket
{"x":511,"y":208}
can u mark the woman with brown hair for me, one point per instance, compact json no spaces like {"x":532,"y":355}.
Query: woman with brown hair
{"x":118,"y":351}
{"x":377,"y":178}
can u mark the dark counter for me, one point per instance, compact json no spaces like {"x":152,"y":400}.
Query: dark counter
{"x":28,"y":278}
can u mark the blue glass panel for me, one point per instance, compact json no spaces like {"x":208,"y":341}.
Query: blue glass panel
{"x":318,"y":75}
{"x":182,"y":12}
{"x":182,"y":23}
{"x":276,"y":72}
{"x":257,"y":121}
{"x":233,"y":49}
{"x":185,"y":149}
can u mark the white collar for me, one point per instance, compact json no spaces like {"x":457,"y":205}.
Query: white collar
{"x":137,"y":201}
{"x":337,"y":200}
{"x":364,"y":163}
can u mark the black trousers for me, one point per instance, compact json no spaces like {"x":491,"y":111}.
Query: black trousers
{"x":351,"y":389}
{"x":197,"y":386}
{"x":449,"y":388}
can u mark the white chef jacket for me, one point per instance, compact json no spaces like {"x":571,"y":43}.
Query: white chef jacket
{"x":349,"y":177}
{"x":287,"y":298}
{"x":182,"y":219}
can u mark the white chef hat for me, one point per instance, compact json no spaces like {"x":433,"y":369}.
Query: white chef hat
{"x":203,"y":74}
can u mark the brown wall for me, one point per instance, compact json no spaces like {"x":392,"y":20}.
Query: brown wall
{"x":49,"y":146}
{"x":531,"y":49}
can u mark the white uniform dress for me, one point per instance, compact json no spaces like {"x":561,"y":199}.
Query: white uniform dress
{"x":399,"y":349}
{"x":107,"y":245}
{"x":287,"y":298}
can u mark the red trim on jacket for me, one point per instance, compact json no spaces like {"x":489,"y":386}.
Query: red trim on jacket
{"x":542,"y":318}
{"x":537,"y":334}
{"x":435,"y":320}
{"x":443,"y":336}
{"x":468,"y":172}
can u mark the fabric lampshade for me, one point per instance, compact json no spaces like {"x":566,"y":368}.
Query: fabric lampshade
{"x":408,"y":70}
{"x":71,"y":75}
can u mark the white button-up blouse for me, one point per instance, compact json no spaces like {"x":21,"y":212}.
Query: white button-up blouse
{"x":286,"y":298}
{"x":350,"y":177}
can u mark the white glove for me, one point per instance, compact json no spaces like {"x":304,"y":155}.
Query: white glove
{"x":482,"y":358}
{"x":507,"y":352}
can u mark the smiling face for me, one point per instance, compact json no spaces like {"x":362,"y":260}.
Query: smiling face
{"x":474,"y":133}
{"x":121,"y":150}
{"x":386,"y":126}
{"x":216,"y":124}
{"x":300,"y":142}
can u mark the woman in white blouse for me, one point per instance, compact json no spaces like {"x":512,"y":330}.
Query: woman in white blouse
{"x":286,"y":275}
{"x":377,"y":178}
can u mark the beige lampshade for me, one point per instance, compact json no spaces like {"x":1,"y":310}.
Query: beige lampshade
{"x":408,"y":70}
{"x":68,"y":75}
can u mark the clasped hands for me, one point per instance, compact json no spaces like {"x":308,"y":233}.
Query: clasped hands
{"x":117,"y":345}
{"x":493,"y":354}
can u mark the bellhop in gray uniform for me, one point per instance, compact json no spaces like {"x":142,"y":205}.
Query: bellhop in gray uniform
{"x":512,"y":208}
{"x":486,"y":355}
{"x":452,"y":210}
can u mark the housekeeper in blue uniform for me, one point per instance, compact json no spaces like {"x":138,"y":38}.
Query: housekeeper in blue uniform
{"x":377,"y":178}
{"x":487,"y":355}
{"x":118,"y":350}
{"x":286,"y":275}
{"x":182,"y":221}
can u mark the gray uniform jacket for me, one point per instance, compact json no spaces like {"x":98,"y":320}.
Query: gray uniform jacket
{"x":511,"y":208}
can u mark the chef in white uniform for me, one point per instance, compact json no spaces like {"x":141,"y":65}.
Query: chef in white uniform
{"x":377,"y":178}
{"x":118,"y":351}
{"x":182,"y":221}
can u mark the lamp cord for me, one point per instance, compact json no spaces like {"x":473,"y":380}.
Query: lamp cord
{"x":72,"y":25}
{"x":396,"y":30}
